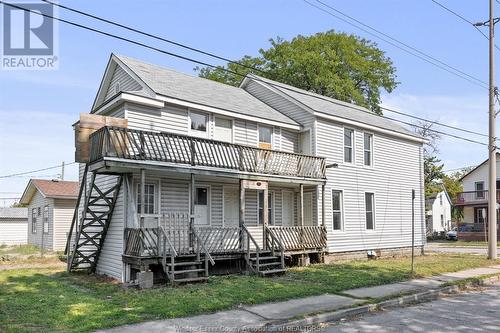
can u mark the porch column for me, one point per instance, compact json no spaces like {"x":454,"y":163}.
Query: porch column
{"x":242,"y":212}
{"x":301,"y":205}
{"x":323,"y":205}
{"x":191,"y":210}
{"x":143,"y":199}
{"x":265,"y":217}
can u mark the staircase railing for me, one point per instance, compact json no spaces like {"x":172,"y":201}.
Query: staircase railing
{"x":162,"y":248}
{"x":249,"y":238}
{"x":200,"y":246}
{"x":275,"y":245}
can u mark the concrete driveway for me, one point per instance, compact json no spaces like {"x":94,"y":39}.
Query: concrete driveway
{"x":442,"y":248}
{"x":477,"y":311}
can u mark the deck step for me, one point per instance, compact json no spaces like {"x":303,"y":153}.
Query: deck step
{"x":267,"y":264}
{"x":185,"y":263}
{"x":190,"y":280}
{"x":189,"y":271}
{"x":272,"y":272}
{"x":264,"y":258}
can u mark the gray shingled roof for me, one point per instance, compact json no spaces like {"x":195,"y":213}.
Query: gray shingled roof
{"x":333,"y":107}
{"x":17,"y":213}
{"x":170,"y":83}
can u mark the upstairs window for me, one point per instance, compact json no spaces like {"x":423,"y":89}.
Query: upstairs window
{"x":149,"y":199}
{"x":199,"y":123}
{"x":368,"y":149}
{"x":337,"y":209}
{"x":479,"y":190}
{"x":370,"y":211}
{"x":265,"y":137}
{"x":348,"y":145}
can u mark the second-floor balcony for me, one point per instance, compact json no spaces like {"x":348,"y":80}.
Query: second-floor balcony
{"x":173,"y":149}
{"x":473,"y":198}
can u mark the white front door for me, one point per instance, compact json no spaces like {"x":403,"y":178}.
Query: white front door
{"x":287,"y":208}
{"x":223,"y":129}
{"x":231,"y":207}
{"x":308,"y":208}
{"x":201,"y":205}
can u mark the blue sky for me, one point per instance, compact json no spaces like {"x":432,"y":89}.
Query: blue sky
{"x":37,"y":108}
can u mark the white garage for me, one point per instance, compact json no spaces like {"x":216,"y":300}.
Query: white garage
{"x":13,"y":226}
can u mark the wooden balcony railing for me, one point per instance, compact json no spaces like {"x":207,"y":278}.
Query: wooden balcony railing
{"x":473,"y":197}
{"x":166,"y":147}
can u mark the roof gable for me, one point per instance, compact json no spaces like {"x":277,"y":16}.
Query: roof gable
{"x":57,"y":189}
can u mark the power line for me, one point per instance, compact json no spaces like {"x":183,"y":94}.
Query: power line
{"x":34,"y":171}
{"x":277,"y":84}
{"x":464,"y":19}
{"x":223,"y":58}
{"x":147,"y":34}
{"x":419,"y":54}
{"x":462,"y":168}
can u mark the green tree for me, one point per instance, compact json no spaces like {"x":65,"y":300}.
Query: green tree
{"x":338,"y":65}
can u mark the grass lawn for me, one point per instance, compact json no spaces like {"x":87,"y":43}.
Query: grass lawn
{"x":461,"y":243}
{"x":50,"y":300}
{"x":27,"y":255}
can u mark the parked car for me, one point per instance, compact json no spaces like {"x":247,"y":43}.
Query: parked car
{"x":452,"y":234}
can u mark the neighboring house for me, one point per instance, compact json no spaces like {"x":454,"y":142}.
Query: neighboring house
{"x":438,"y":213}
{"x":13,"y":226}
{"x":244,"y":177}
{"x":474,"y":202}
{"x":50,"y":205}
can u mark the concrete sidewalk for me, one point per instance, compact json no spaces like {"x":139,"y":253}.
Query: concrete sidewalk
{"x":257,"y":316}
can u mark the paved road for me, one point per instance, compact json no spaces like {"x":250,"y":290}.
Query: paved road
{"x":440,"y":247}
{"x":477,"y":311}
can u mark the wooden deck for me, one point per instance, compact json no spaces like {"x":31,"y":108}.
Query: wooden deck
{"x":137,"y":145}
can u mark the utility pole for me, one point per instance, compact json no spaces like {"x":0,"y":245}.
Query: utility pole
{"x":492,"y":165}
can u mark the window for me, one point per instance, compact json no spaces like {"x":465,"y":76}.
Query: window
{"x":39,"y":210}
{"x":441,"y":200}
{"x":480,"y":214}
{"x":348,"y":145}
{"x":337,"y":209}
{"x":370,"y":211}
{"x":149,"y":199}
{"x":33,"y":220}
{"x":265,"y":137}
{"x":199,"y":122}
{"x":269,"y":207}
{"x":368,"y":148}
{"x":442,"y":220}
{"x":479,"y":190}
{"x":201,"y":196}
{"x":223,"y":129}
{"x":46,"y":219}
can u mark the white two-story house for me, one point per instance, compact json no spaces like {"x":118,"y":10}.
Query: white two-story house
{"x":184,"y":176}
{"x":473,"y":202}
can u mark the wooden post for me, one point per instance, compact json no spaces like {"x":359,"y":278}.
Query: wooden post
{"x":191,"y":209}
{"x":143,"y":199}
{"x":265,"y":217}
{"x":301,"y":205}
{"x":323,"y":205}
{"x":242,"y":211}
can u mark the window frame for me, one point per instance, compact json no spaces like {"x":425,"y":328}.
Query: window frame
{"x":263,"y":144}
{"x":195,"y":132}
{"x":353,"y":144}
{"x":479,"y":196}
{"x":33,"y":221}
{"x":155,"y":198}
{"x":370,"y":150}
{"x":340,"y":210}
{"x":45,"y":220}
{"x":372,"y":211}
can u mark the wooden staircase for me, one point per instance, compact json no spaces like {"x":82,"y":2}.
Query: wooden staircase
{"x":84,"y":249}
{"x":187,"y":268}
{"x":265,"y":263}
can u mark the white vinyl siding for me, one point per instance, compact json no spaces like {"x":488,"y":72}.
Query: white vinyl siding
{"x":289,"y":141}
{"x":397,"y":169}
{"x":41,"y":239}
{"x":121,"y":80}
